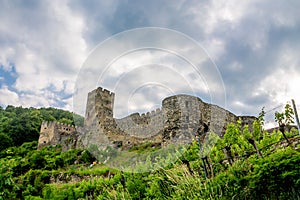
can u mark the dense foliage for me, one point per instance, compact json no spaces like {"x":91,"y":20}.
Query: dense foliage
{"x":19,"y":125}
{"x":247,"y":163}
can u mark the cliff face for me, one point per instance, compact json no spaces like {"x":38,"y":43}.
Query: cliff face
{"x":181,"y":118}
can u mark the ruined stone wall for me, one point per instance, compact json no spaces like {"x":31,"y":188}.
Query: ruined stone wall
{"x":54,"y":133}
{"x":219,"y":119}
{"x":188,"y":117}
{"x":123,"y":140}
{"x":181,"y":119}
{"x":247,"y":120}
{"x":142,"y":125}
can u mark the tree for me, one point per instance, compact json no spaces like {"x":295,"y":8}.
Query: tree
{"x":284,"y":119}
{"x":66,"y":121}
{"x":257,"y":132}
{"x":25,"y":127}
{"x":5,"y":141}
{"x":23,"y":124}
{"x":260,"y":122}
{"x":235,"y":140}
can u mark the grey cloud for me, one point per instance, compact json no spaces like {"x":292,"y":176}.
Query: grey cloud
{"x":256,"y":39}
{"x":256,"y":64}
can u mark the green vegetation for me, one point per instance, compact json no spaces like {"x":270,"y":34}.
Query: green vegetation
{"x":284,"y":119}
{"x":247,"y":163}
{"x":19,"y":125}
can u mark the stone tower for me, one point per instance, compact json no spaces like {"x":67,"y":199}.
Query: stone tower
{"x":99,"y":107}
{"x":98,"y":118}
{"x":183,"y":118}
{"x":53,"y":133}
{"x":47,"y":133}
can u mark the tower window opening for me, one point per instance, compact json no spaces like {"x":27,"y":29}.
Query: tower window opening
{"x":187,"y":119}
{"x":186,"y":104}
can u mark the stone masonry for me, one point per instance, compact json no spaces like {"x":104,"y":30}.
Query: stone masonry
{"x":179,"y":121}
{"x":53,"y":133}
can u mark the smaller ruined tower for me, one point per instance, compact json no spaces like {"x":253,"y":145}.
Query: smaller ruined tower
{"x":47,"y":132}
{"x":53,"y":133}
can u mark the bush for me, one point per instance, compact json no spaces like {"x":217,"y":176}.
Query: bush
{"x":276,"y":176}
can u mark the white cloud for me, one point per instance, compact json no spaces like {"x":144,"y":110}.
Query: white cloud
{"x":68,"y":104}
{"x":254,"y":44}
{"x":8,"y":97}
{"x":46,"y":47}
{"x":34,"y":99}
{"x":6,"y":57}
{"x":282,"y":86}
{"x":143,"y":57}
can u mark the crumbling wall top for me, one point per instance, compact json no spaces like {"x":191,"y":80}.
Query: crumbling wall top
{"x":58,"y":127}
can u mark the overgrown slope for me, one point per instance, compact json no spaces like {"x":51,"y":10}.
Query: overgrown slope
{"x":242,"y":165}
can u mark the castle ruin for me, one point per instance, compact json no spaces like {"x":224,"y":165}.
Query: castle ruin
{"x":53,"y":133}
{"x":180,"y":119}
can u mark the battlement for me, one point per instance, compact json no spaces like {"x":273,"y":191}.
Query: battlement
{"x":66,"y":128}
{"x":65,"y":125}
{"x":46,"y":124}
{"x":142,"y":125}
{"x":61,"y":127}
{"x":103,"y":92}
{"x":100,"y":93}
{"x":151,"y":113}
{"x":143,"y":116}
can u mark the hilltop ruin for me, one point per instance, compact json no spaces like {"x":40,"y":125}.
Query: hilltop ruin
{"x":180,"y":119}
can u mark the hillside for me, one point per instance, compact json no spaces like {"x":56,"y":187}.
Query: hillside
{"x":255,"y":165}
{"x":19,"y":125}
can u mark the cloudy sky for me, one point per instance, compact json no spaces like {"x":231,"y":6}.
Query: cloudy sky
{"x":252,"y":45}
